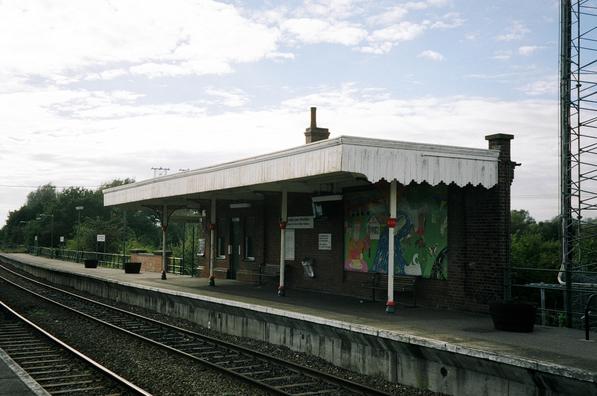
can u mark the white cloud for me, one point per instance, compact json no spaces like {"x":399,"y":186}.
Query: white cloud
{"x":471,"y":36}
{"x":403,"y":31}
{"x":65,"y":38}
{"x":333,"y":21}
{"x":313,"y":31}
{"x":431,"y":55}
{"x":280,"y":56}
{"x":106,"y":74}
{"x":516,"y":31}
{"x":397,"y":13}
{"x":382,"y":40}
{"x":393,"y":15}
{"x":335,"y":9}
{"x":77,"y":130}
{"x":527,"y":50}
{"x":502,"y":55}
{"x":547,"y":86}
{"x":377,"y":48}
{"x":449,"y":21}
{"x":230,"y":97}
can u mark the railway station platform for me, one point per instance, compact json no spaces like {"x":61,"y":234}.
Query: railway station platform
{"x":450,"y":352}
{"x":14,"y":381}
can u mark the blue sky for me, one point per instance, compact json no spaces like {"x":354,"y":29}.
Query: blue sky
{"x":96,"y":90}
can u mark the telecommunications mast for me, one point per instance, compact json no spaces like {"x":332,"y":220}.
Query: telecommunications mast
{"x":578,"y":150}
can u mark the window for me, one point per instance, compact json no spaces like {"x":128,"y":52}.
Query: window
{"x":249,"y":242}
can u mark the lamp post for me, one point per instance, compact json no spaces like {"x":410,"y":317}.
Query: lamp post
{"x":78,"y":209}
{"x":51,"y":216}
{"x":23,"y":225}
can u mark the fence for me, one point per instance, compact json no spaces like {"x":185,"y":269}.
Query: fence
{"x":550,"y":297}
{"x":174,"y":265}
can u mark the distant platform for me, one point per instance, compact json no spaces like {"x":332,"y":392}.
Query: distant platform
{"x":444,"y":351}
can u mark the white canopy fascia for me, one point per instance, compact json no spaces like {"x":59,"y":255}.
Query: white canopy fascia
{"x":375,"y":159}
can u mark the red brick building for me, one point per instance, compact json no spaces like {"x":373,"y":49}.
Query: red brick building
{"x":351,"y":207}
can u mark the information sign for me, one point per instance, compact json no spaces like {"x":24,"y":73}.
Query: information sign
{"x":325,"y":241}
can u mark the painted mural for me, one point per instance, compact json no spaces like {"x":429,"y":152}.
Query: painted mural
{"x":421,"y":238}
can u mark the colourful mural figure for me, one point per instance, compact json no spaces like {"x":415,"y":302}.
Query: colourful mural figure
{"x":403,"y":228}
{"x":420,"y":238}
{"x":357,"y":246}
{"x":365,"y":214}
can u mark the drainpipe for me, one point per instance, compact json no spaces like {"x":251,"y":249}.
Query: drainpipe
{"x":390,"y":305}
{"x":164,"y":230}
{"x":283,"y":221}
{"x":212,"y":236}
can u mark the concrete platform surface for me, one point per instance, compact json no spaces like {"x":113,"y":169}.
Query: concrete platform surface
{"x":560,"y":351}
{"x":14,"y":381}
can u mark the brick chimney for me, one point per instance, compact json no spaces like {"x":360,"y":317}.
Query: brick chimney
{"x":501,"y":202}
{"x":313,"y":133}
{"x":501,"y":142}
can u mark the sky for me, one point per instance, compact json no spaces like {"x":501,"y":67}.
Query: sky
{"x":99,"y":90}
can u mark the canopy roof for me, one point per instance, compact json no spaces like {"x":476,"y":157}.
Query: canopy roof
{"x":329,"y":165}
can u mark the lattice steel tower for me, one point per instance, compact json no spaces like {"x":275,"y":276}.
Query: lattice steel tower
{"x":578,"y":149}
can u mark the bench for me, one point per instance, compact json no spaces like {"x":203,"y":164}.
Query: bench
{"x":263,"y":272}
{"x":402,"y":284}
{"x":269,"y":271}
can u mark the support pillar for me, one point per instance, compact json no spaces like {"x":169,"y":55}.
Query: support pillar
{"x":123,"y":237}
{"x":164,"y":231}
{"x":391,"y":304}
{"x":283,"y":222}
{"x":212,"y":236}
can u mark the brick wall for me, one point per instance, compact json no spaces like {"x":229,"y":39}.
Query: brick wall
{"x":149,"y":262}
{"x":478,"y":243}
{"x":478,"y":240}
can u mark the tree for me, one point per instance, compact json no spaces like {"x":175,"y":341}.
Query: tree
{"x":534,"y":245}
{"x":45,"y":204}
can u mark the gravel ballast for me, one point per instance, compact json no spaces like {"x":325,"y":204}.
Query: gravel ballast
{"x":187,"y":378}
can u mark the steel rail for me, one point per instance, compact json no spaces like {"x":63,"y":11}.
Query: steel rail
{"x":23,"y":336}
{"x":198,"y":344}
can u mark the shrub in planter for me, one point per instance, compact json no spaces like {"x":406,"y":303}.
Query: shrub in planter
{"x":132,"y":268}
{"x":90,"y":263}
{"x":513,"y":316}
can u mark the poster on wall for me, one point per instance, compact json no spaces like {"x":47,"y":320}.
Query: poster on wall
{"x":421,"y":233}
{"x":201,"y":247}
{"x":324,"y":241}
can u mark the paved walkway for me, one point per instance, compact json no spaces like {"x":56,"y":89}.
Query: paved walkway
{"x":469,"y":333}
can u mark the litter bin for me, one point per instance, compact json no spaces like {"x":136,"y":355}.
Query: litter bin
{"x":90,"y":263}
{"x":307,"y":264}
{"x":132,"y":268}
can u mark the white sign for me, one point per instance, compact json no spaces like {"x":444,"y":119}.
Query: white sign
{"x":289,"y":245}
{"x":325,"y":241}
{"x":374,"y":228}
{"x":101,"y":238}
{"x":36,"y":237}
{"x":297,"y":222}
{"x":61,"y":239}
{"x":201,"y":249}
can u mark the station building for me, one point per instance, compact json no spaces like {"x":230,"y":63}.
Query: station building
{"x":330,"y":215}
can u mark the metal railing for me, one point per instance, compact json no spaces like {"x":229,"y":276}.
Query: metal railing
{"x":174,"y":265}
{"x":552,"y":307}
{"x":587,"y":316}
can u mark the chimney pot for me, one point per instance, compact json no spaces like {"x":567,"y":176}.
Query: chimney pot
{"x":314,"y":133}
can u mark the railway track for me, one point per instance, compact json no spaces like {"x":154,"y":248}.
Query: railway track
{"x":272,"y":374}
{"x":55,"y":366}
